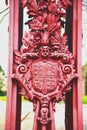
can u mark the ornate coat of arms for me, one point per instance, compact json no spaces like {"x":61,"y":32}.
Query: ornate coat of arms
{"x":44,"y":74}
{"x":45,"y":66}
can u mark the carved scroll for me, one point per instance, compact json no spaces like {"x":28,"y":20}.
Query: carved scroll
{"x":45,"y":66}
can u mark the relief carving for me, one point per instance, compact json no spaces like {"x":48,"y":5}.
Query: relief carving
{"x":45,"y":66}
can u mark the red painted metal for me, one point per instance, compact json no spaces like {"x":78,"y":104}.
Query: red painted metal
{"x":13,"y":100}
{"x":74,"y":119}
{"x":45,"y":66}
{"x":77,"y":52}
{"x":68,"y":101}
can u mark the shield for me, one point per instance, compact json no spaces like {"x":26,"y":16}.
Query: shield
{"x":44,"y":74}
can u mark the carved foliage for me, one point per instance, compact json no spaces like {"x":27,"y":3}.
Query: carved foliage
{"x":45,"y":66}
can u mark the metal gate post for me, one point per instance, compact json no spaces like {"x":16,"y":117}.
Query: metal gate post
{"x":77,"y":52}
{"x":44,"y":67}
{"x":73,"y":113}
{"x":68,"y":101}
{"x":13,"y":107}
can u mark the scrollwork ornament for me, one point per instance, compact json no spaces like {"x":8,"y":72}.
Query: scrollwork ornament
{"x":67,"y":69}
{"x":65,"y":59}
{"x":22,"y":69}
{"x":45,"y":66}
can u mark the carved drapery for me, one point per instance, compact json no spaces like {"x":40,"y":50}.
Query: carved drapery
{"x":45,"y":66}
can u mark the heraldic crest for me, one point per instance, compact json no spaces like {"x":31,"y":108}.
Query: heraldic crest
{"x":45,"y":66}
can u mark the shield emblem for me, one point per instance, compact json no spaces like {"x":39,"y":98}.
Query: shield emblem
{"x":44,"y":74}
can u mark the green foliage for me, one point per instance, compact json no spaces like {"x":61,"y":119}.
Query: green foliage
{"x":84,"y":77}
{"x":84,"y":99}
{"x":2,"y":93}
{"x":2,"y":80}
{"x":86,"y":83}
{"x":1,"y":70}
{"x":3,"y":98}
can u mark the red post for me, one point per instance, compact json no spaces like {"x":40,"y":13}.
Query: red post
{"x":77,"y":52}
{"x":68,"y":101}
{"x":13,"y":101}
{"x":31,"y":70}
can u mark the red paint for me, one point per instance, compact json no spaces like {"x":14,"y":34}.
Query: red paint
{"x":44,"y":66}
{"x":13,"y":101}
{"x":77,"y":52}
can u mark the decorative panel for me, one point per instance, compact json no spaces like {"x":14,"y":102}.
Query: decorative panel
{"x":44,"y":65}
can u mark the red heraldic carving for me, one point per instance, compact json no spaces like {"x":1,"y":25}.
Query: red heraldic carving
{"x":45,"y":66}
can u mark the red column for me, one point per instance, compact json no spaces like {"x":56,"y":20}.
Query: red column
{"x":13,"y":108}
{"x":68,"y":101}
{"x":77,"y":52}
{"x":73,"y":113}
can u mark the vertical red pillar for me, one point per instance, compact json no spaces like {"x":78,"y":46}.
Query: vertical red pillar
{"x":68,"y":101}
{"x":77,"y":52}
{"x":73,"y":113}
{"x":13,"y":109}
{"x":13,"y":112}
